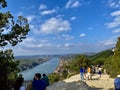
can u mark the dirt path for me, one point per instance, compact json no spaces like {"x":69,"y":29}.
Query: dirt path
{"x":74,"y":83}
{"x":104,"y":82}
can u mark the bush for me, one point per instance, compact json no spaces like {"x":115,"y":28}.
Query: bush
{"x":54,"y":78}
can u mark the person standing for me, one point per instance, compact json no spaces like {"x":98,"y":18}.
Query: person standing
{"x":19,"y":84}
{"x":99,"y":71}
{"x":89,"y":73}
{"x":82,"y":71}
{"x":45,"y":78}
{"x":117,"y":83}
{"x":38,"y":84}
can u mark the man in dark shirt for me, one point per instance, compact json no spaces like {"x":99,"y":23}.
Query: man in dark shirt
{"x":117,"y":83}
{"x":39,"y":84}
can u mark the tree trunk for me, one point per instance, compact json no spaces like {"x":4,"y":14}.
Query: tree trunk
{"x":3,"y":77}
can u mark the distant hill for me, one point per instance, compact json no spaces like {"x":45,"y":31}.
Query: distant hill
{"x":102,"y":54}
{"x":29,"y":57}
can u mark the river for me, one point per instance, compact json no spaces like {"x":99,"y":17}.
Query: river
{"x":47,"y":68}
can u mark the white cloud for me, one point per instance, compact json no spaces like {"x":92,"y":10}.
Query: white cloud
{"x":72,"y":4}
{"x":30,"y":18}
{"x":108,"y":42}
{"x":115,"y":23}
{"x":116,"y":19}
{"x":69,"y":3}
{"x":116,"y":31}
{"x":76,"y":4}
{"x":41,"y":47}
{"x":82,"y":35}
{"x":73,"y":18}
{"x":54,"y":25}
{"x":67,"y":37}
{"x":34,"y":28}
{"x":48,"y":12}
{"x":42,"y":6}
{"x":113,"y":3}
{"x":31,"y":42}
{"x":115,"y":13}
{"x":68,"y":45}
{"x":28,"y":40}
{"x":111,"y":41}
{"x":35,"y":45}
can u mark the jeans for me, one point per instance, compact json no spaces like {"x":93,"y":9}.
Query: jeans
{"x":82,"y":76}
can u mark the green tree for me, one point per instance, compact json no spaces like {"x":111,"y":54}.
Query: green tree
{"x":115,"y":61}
{"x":8,"y":68}
{"x":11,"y":32}
{"x":117,"y":48}
{"x":79,"y":61}
{"x":101,"y":57}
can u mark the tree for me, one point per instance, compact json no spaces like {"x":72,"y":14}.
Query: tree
{"x":115,"y":61}
{"x":11,"y":32}
{"x":117,"y":49}
{"x":79,"y":61}
{"x":8,"y":68}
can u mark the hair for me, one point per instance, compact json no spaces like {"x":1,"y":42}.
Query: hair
{"x":44,"y":74}
{"x":38,"y":75}
{"x":20,"y":75}
{"x":18,"y":83}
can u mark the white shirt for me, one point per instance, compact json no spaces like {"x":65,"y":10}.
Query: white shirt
{"x":22,"y":88}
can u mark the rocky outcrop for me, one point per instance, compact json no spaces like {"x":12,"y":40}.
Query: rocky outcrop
{"x":74,"y":83}
{"x":62,"y":85}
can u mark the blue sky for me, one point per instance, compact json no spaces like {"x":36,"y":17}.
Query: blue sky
{"x":67,"y":26}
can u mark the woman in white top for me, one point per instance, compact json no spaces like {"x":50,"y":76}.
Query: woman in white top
{"x":18,"y":84}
